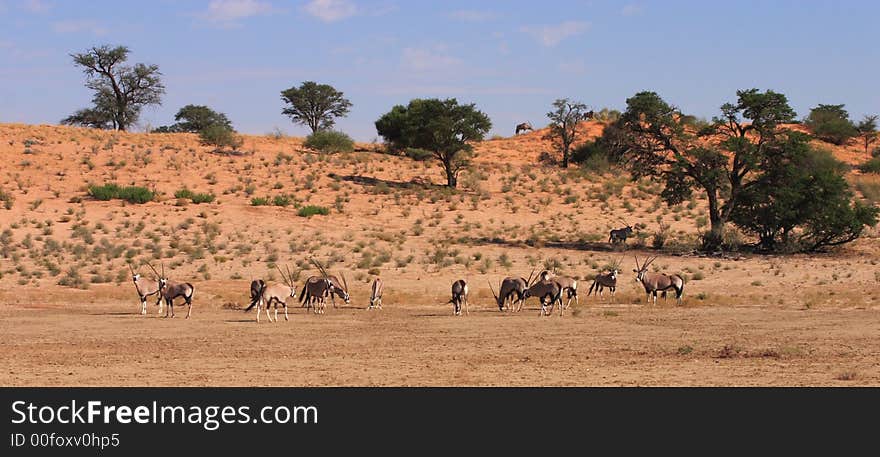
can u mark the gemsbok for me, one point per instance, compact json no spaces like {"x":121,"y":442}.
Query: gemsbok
{"x":145,"y":287}
{"x":543,"y":290}
{"x":459,"y":297}
{"x":376,"y":294}
{"x":523,"y":127}
{"x":620,"y":235}
{"x":654,"y":282}
{"x":511,"y":292}
{"x":170,"y":290}
{"x":277,"y":294}
{"x":569,"y":285}
{"x":317,"y":288}
{"x":603,"y":280}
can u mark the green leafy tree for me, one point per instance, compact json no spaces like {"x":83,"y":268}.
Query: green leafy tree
{"x":315,"y":105}
{"x":443,"y":127}
{"x":121,"y":90}
{"x":831,"y":123}
{"x":720,"y":160}
{"x":801,"y":201}
{"x":867,"y":129}
{"x":564,"y":121}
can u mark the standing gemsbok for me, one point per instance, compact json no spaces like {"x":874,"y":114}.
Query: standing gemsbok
{"x":459,"y":296}
{"x":169,"y":290}
{"x":654,"y":282}
{"x":609,"y":280}
{"x":276,"y":294}
{"x":376,"y":294}
{"x":569,"y":285}
{"x":145,"y":287}
{"x":546,"y":289}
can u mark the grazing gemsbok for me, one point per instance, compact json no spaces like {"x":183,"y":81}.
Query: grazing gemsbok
{"x":318,"y":288}
{"x":569,"y":285}
{"x":654,"y":282}
{"x":145,"y":287}
{"x":609,"y":280}
{"x":619,"y":235}
{"x":376,"y":294}
{"x":523,"y":127}
{"x":459,"y":296}
{"x":511,"y":292}
{"x":544,"y":289}
{"x":169,"y":290}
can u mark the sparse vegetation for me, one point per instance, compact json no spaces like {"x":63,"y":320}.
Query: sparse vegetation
{"x":131,"y":194}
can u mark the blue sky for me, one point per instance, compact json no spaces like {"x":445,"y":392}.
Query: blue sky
{"x":511,"y":58}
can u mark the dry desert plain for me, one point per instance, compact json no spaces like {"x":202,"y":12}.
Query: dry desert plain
{"x":69,"y":314}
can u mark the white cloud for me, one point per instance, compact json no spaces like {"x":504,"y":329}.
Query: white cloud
{"x":229,"y":12}
{"x":426,"y":59}
{"x":331,"y":10}
{"x":36,"y":6}
{"x":73,"y":26}
{"x":473,"y":15}
{"x":551,"y":35}
{"x":632,"y":10}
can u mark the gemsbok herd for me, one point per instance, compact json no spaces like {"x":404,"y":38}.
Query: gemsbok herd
{"x":550,"y":289}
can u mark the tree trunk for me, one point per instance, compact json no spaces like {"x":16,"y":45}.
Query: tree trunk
{"x":713,"y":239}
{"x":451,"y":179}
{"x":565,"y":153}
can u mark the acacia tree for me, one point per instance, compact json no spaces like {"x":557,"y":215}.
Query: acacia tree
{"x":121,"y":91}
{"x":867,"y":129}
{"x":802,"y":201}
{"x":831,"y":123}
{"x":564,"y":121}
{"x":195,"y":118}
{"x":315,"y":105}
{"x":720,"y":160}
{"x":443,"y":127}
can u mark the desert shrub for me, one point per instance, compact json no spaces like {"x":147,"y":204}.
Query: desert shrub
{"x":260,"y":201}
{"x":282,"y":200}
{"x":131,"y":194}
{"x":7,"y":199}
{"x":329,"y":141}
{"x":871,"y":166}
{"x":311,"y":210}
{"x":869,"y":188}
{"x":196,"y":198}
{"x":220,"y":137}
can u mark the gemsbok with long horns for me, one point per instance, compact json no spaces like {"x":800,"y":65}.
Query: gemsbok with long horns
{"x":654,"y":282}
{"x":376,"y":294}
{"x":511,"y":292}
{"x":546,"y":288}
{"x":170,"y":290}
{"x":609,"y":280}
{"x":569,"y":285}
{"x":276,"y":294}
{"x":145,"y":287}
{"x":317,"y":288}
{"x":618,"y":236}
{"x":459,"y":297}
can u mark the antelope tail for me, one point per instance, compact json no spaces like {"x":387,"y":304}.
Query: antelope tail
{"x":302,"y":294}
{"x":192,"y":291}
{"x":590,"y":292}
{"x":258,"y":297}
